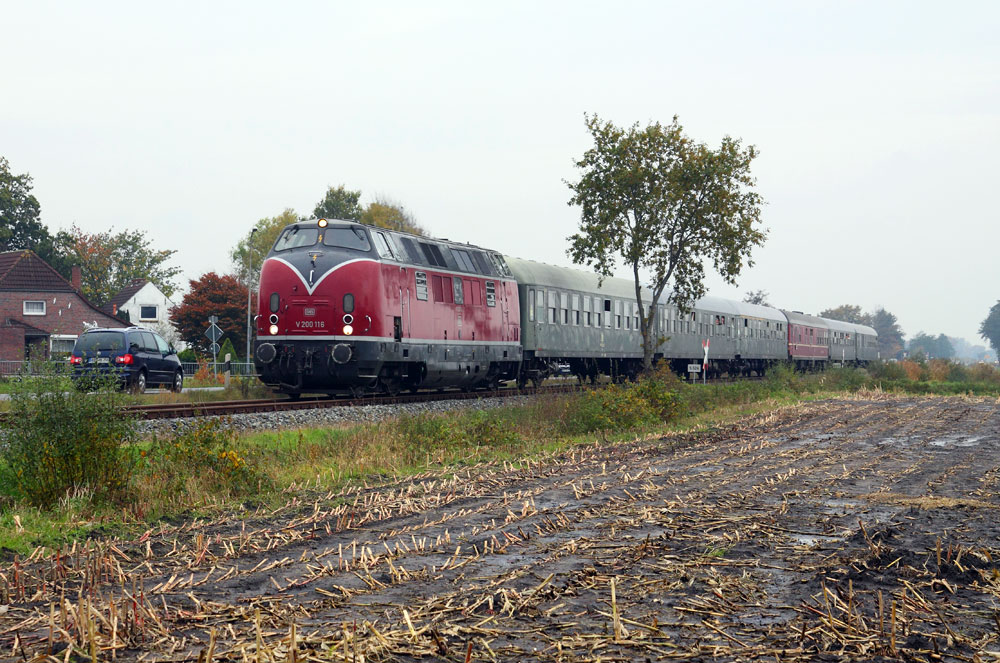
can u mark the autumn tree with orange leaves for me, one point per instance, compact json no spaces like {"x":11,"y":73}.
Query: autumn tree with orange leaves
{"x":210,"y":295}
{"x":109,"y":261}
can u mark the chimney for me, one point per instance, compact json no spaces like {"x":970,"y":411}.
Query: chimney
{"x":75,"y":277}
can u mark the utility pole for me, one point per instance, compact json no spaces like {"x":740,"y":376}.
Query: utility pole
{"x":249,"y":287}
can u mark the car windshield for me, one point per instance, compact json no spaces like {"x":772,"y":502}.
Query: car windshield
{"x":347,"y":238}
{"x":97,"y":341}
{"x":296,"y":237}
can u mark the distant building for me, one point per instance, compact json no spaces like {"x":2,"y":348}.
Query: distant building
{"x":40,"y":311}
{"x":142,"y":303}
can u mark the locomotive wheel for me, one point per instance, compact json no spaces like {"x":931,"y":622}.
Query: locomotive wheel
{"x":390,"y":386}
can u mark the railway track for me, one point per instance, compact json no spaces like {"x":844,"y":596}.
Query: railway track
{"x":222,"y":408}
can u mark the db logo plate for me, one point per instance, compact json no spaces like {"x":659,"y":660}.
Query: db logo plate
{"x":309,"y":311}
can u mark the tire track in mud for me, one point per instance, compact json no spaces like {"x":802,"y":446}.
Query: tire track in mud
{"x":770,"y":538}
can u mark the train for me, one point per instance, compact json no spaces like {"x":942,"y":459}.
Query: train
{"x":346,"y":308}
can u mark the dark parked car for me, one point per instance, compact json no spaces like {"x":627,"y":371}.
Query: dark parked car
{"x":136,"y":356}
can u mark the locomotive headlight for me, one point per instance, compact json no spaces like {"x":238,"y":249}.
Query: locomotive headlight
{"x":321,"y":223}
{"x":348,"y":330}
{"x":274,"y":330}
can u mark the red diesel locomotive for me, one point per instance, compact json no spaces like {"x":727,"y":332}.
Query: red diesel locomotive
{"x":348,"y":308}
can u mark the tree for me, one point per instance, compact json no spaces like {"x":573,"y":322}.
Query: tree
{"x":990,"y":329}
{"x":109,"y":261}
{"x":890,"y":336}
{"x":227,"y":347}
{"x":664,"y":204}
{"x":339,"y":203}
{"x":385,"y":213}
{"x":847,"y":313}
{"x":249,"y":253}
{"x":932,"y":347}
{"x":758,"y":297}
{"x":20,"y":223}
{"x":209,"y":295}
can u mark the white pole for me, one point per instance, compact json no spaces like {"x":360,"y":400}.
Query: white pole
{"x":249,"y":288}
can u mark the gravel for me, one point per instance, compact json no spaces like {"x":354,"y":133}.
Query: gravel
{"x":329,"y":416}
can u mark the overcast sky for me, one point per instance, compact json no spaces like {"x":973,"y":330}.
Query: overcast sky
{"x":877,"y":125}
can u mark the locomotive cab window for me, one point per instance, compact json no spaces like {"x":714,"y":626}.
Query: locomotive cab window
{"x":383,"y":245}
{"x":347,"y":238}
{"x":296,"y":237}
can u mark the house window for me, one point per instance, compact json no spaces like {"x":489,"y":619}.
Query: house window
{"x":34,"y":307}
{"x":147,"y":313}
{"x":60,"y":344}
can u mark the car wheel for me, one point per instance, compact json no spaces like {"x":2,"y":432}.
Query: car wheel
{"x":139,"y":386}
{"x":178,"y":382}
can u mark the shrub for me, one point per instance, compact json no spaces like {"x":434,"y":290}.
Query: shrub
{"x":207,"y":453}
{"x":205,"y":373}
{"x":61,"y":441}
{"x":188,"y":355}
{"x":887,"y":370}
{"x":914,"y":371}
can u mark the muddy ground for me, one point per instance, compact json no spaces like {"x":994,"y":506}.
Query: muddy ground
{"x":841,"y":530}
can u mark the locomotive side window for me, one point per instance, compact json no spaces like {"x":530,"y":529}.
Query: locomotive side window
{"x":274,"y":302}
{"x":383,"y":245}
{"x":347,"y":238}
{"x":446,"y":289}
{"x":348,"y":303}
{"x":296,"y":237}
{"x":438,"y":290}
{"x":411,"y":249}
{"x":483,"y":264}
{"x":421,"y":285}
{"x":491,"y":293}
{"x":464,"y":260}
{"x":459,"y":295}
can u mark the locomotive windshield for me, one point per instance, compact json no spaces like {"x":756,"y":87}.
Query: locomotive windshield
{"x":296,"y":237}
{"x":347,"y":238}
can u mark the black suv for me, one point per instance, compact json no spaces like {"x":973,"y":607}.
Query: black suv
{"x":138,"y":356}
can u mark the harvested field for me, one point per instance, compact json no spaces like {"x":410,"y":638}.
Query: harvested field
{"x":839,"y":530}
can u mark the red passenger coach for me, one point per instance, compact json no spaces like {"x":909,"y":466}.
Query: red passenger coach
{"x":808,"y":342}
{"x":350,"y":308}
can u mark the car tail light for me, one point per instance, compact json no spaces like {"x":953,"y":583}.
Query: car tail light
{"x":76,"y":360}
{"x":123,"y":359}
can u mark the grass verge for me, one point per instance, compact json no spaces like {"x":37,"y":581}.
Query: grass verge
{"x":209,"y":467}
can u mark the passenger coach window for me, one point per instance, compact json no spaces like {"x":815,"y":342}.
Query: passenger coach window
{"x":347,"y":238}
{"x":296,"y":237}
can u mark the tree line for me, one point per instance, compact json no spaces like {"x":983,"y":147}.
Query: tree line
{"x":651,"y":198}
{"x":111,"y":260}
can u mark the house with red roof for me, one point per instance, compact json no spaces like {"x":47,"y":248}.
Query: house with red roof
{"x":40,"y":311}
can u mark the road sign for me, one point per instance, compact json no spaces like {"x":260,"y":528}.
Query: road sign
{"x":213,"y":319}
{"x":215,"y":348}
{"x":214,"y":332}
